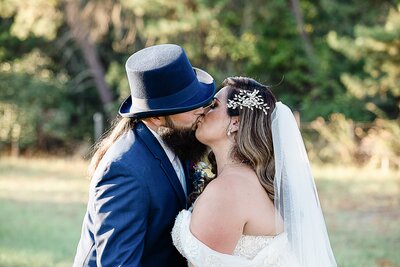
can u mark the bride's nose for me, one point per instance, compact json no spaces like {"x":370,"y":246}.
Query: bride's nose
{"x":200,"y":111}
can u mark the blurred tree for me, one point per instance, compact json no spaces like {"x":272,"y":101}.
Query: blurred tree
{"x":82,"y":45}
{"x":79,"y":18}
{"x":40,"y":18}
{"x":308,"y":47}
{"x":34,"y":113}
{"x":377,"y":48}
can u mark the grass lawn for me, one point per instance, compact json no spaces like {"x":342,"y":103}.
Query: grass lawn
{"x":362,"y":211}
{"x":42,"y":203}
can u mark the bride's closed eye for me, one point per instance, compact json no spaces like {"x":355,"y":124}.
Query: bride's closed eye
{"x":215,"y":103}
{"x":212,"y":105}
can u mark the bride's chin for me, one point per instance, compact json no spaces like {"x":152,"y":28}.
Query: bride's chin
{"x":199,"y":136}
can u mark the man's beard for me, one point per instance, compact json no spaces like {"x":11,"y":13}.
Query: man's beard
{"x":182,"y":141}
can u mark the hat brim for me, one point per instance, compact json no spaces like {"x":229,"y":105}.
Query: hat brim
{"x":204,"y":93}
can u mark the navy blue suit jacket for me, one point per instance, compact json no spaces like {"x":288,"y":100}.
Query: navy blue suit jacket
{"x":134,"y":198}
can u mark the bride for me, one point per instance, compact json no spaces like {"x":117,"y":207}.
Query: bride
{"x":262,"y":209}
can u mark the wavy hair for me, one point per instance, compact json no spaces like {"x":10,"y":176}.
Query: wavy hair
{"x":120,"y":125}
{"x":253,"y":140}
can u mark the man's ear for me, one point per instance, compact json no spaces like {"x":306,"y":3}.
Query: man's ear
{"x":154,"y":122}
{"x":157,"y":121}
{"x":235,"y":123}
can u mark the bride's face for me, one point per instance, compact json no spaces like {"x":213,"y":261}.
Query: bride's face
{"x":213,"y":126}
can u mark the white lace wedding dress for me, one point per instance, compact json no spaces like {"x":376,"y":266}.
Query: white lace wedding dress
{"x":250,"y":251}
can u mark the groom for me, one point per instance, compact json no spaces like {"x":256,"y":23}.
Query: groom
{"x":140,"y":179}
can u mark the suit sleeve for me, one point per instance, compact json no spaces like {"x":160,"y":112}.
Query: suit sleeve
{"x":121,"y":207}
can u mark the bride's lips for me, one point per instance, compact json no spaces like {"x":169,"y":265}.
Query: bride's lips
{"x":200,"y":120}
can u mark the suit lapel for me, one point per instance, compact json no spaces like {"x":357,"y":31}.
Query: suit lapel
{"x":189,"y":185}
{"x":156,"y":149}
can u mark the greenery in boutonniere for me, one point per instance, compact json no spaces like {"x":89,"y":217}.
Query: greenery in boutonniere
{"x":201,"y":174}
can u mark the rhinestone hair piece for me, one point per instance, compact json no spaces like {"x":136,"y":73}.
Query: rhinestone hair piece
{"x":248,"y":100}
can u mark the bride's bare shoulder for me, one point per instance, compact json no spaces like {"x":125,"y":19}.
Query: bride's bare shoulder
{"x":219,"y":208}
{"x":227,"y":187}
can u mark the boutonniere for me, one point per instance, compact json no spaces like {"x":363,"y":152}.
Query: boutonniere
{"x":201,"y":175}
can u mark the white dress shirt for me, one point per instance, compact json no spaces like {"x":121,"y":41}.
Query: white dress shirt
{"x":176,"y":163}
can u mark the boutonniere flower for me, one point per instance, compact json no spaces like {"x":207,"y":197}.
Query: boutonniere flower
{"x":201,"y":175}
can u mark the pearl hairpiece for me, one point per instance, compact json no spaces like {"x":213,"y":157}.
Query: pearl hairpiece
{"x":248,"y":100}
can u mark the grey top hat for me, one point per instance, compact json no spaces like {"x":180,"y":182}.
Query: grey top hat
{"x":163,"y":82}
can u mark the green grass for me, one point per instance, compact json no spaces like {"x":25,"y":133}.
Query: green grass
{"x":42,"y":204}
{"x":362,"y":211}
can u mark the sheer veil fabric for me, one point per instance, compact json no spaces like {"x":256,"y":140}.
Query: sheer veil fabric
{"x":296,"y":197}
{"x":304,"y":241}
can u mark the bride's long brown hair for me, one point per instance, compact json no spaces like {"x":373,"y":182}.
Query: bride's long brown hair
{"x":253,"y":140}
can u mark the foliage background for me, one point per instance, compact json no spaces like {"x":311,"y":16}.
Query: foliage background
{"x":335,"y":62}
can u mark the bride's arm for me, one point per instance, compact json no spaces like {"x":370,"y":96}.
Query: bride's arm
{"x":217,"y":218}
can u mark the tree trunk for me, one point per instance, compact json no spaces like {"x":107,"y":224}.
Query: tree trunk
{"x":308,"y":48}
{"x":80,"y":33}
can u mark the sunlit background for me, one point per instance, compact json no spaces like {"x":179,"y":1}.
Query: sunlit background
{"x":62,"y":78}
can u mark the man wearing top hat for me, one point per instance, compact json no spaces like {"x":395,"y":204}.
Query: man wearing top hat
{"x":140,"y":171}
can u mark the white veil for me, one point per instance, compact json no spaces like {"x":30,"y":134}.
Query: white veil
{"x":296,"y":198}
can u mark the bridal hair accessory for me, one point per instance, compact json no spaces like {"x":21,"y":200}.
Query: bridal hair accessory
{"x":248,"y":100}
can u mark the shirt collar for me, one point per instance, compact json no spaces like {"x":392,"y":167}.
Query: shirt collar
{"x":170,"y":154}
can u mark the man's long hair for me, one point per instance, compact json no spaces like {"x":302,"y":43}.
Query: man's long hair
{"x":120,"y":125}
